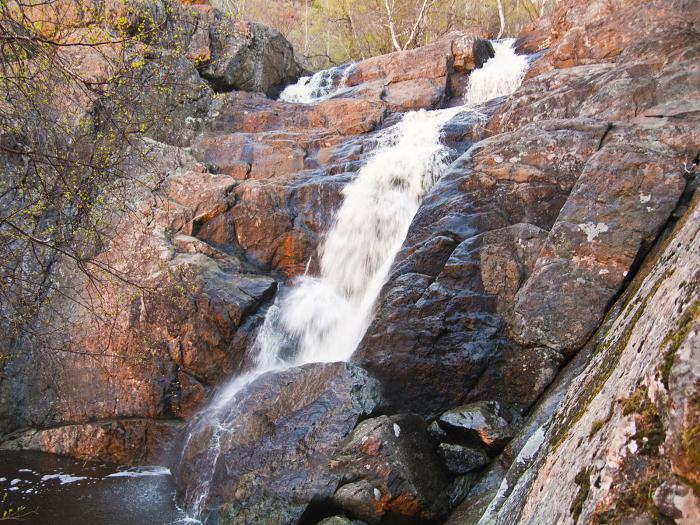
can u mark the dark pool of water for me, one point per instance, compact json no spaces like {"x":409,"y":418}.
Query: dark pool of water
{"x":61,"y":491}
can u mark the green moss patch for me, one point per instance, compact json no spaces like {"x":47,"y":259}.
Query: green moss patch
{"x":583,"y":480}
{"x":650,"y":433}
{"x":637,"y":500}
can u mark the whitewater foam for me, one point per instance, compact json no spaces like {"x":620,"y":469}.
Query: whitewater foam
{"x":319,"y":86}
{"x":499,"y":76}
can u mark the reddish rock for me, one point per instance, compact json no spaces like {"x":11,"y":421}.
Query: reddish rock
{"x":608,"y":220}
{"x":253,"y":156}
{"x":348,"y":117}
{"x":393,"y":471}
{"x":419,"y":78}
{"x":196,"y":198}
{"x":125,"y":442}
{"x":462,"y":47}
{"x":611,"y":62}
{"x":429,"y":62}
{"x":411,"y":95}
{"x":600,"y":31}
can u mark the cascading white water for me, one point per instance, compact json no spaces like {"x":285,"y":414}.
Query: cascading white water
{"x":499,"y":76}
{"x":323,"y":318}
{"x":319,"y":86}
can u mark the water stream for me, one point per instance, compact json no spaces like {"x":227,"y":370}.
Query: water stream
{"x":322,"y":318}
{"x":319,"y":86}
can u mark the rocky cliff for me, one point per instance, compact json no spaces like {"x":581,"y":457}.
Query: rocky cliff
{"x":533,"y":355}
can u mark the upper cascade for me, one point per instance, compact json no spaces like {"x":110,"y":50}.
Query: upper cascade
{"x":319,"y":86}
{"x":500,"y":76}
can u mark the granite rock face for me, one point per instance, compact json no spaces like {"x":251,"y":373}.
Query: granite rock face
{"x":239,"y":55}
{"x":616,"y":440}
{"x":440,"y":330}
{"x":587,"y":180}
{"x":419,"y":78}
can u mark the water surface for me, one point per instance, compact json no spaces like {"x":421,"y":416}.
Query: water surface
{"x":62,"y":491}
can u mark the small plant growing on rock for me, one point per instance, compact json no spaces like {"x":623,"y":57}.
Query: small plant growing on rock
{"x":11,"y":513}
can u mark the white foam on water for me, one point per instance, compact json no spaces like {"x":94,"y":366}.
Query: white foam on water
{"x":499,"y":76}
{"x":63,"y":479}
{"x":325,"y":316}
{"x":139,"y":472}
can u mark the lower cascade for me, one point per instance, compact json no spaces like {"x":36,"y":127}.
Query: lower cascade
{"x":322,"y":318}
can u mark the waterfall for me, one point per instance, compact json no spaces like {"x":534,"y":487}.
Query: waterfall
{"x":319,"y":86}
{"x":500,"y":76}
{"x":322,"y":318}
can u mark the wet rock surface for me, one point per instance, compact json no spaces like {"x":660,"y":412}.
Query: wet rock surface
{"x":275,"y":444}
{"x":600,"y":231}
{"x":439,"y":331}
{"x":482,"y":50}
{"x":460,"y":459}
{"x":483,"y":422}
{"x":610,"y":438}
{"x":391,"y":472}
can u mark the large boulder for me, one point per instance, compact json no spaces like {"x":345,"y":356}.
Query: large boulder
{"x":265,"y":457}
{"x":418,"y":78}
{"x":437,"y":340}
{"x":611,"y":216}
{"x":391,"y":472}
{"x":249,"y":57}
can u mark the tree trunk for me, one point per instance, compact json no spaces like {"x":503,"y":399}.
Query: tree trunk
{"x":306,"y":27}
{"x":419,"y":22}
{"x":390,"y":25}
{"x":501,"y":18}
